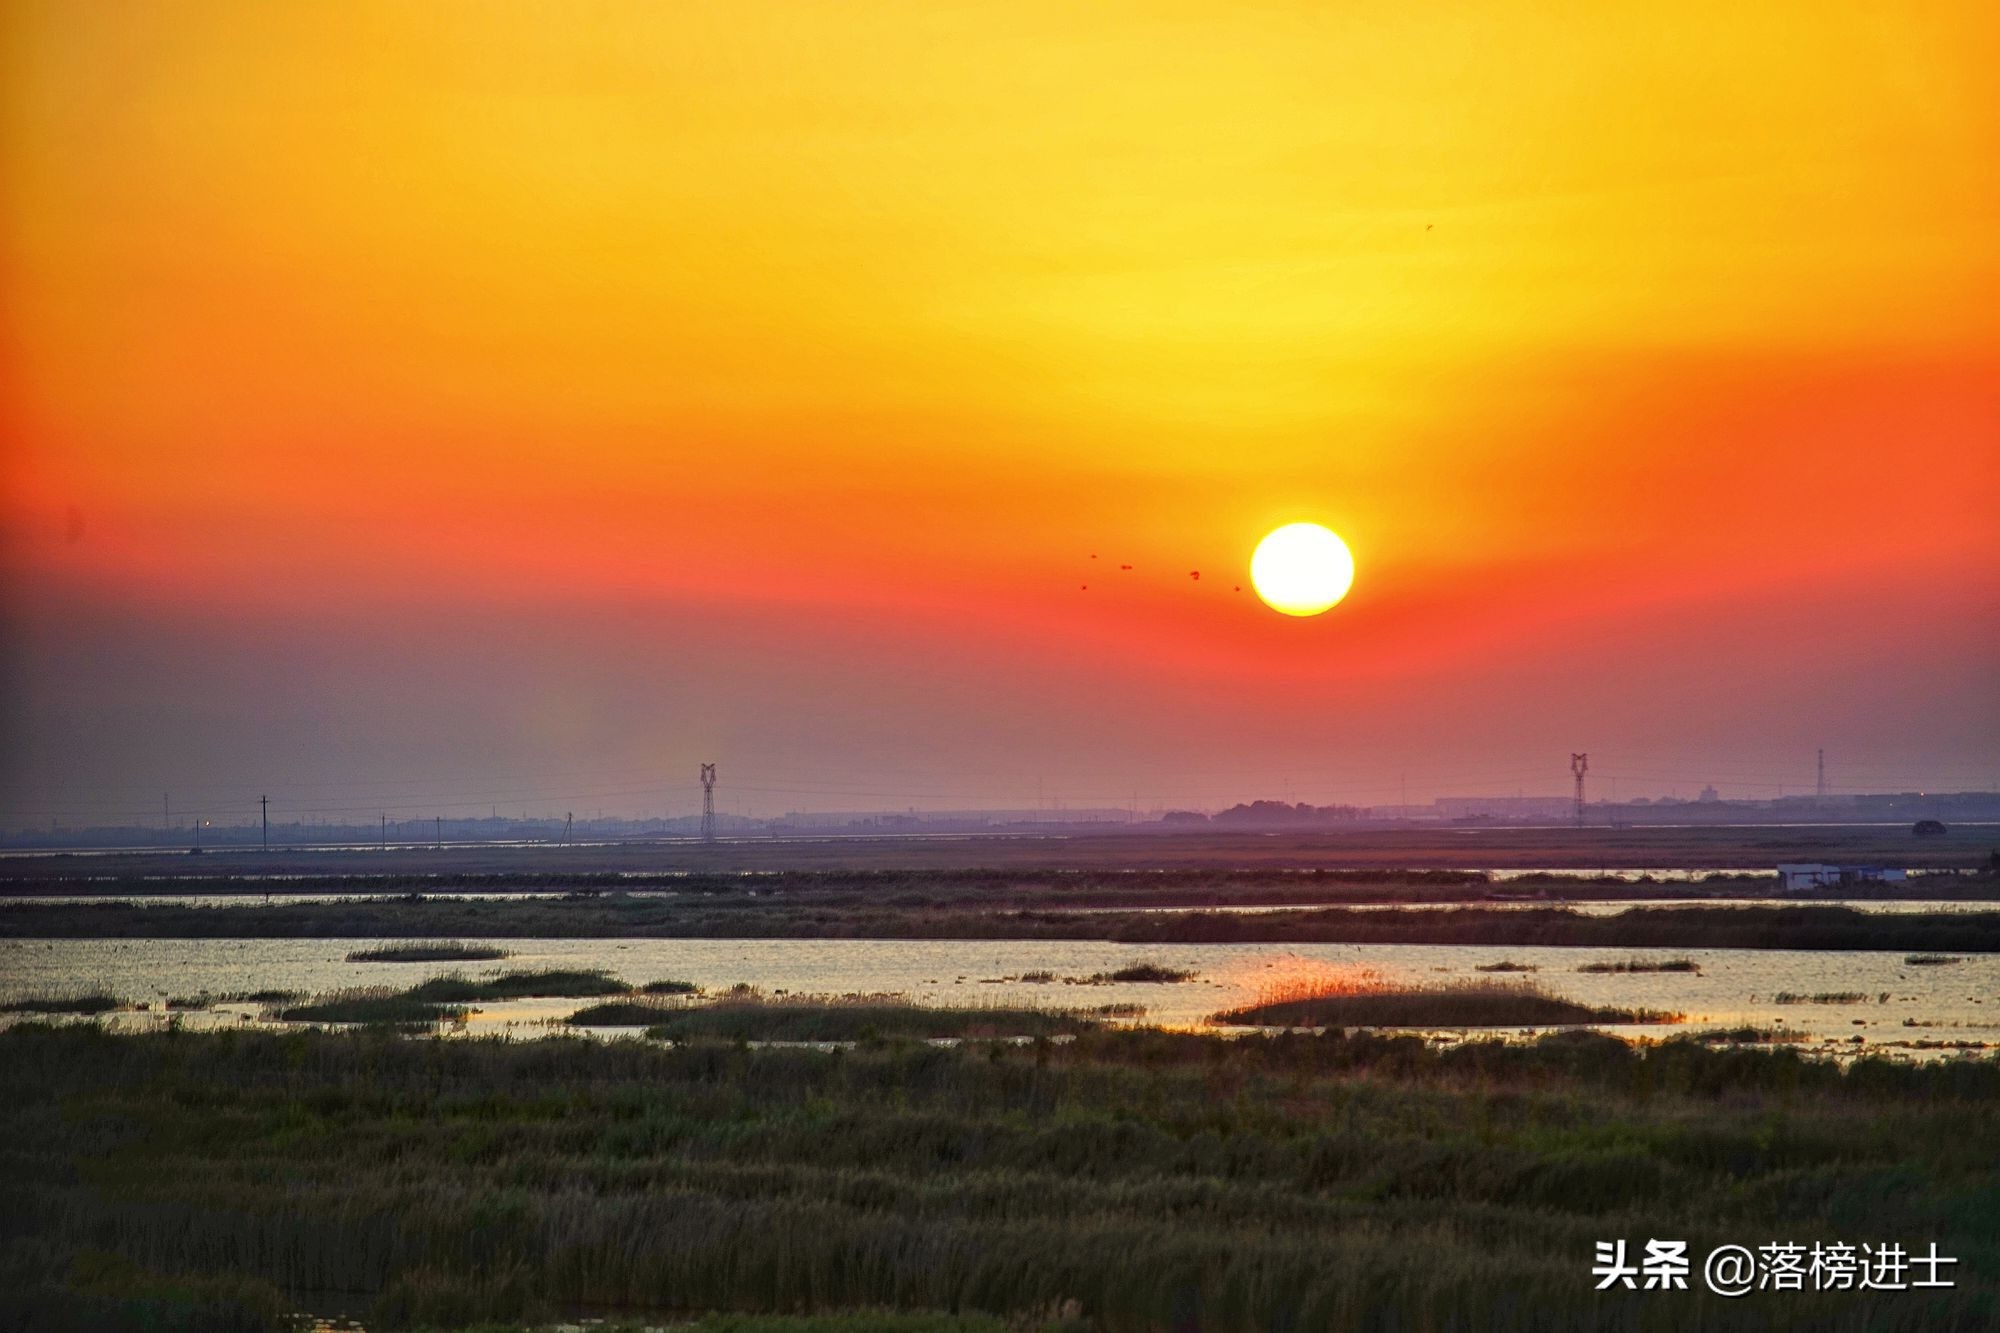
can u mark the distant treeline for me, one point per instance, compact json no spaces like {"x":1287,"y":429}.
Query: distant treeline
{"x":1127,"y":1181}
{"x":782,"y":917}
{"x":1277,"y":814}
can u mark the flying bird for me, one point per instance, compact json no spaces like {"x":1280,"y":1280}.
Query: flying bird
{"x":1195,"y":574}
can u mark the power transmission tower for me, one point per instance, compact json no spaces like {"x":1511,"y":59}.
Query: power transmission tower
{"x":265,"y":801}
{"x":1819,"y":792}
{"x":708,"y":802}
{"x":1579,"y":764}
{"x":568,"y":819}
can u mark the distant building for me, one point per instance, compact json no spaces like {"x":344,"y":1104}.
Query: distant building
{"x":1929,"y":828}
{"x":1709,"y":795}
{"x":1800,"y":876}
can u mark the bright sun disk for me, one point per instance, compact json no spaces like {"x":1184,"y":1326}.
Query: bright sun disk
{"x":1302,"y":569}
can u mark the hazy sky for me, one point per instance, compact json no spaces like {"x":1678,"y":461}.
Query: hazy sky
{"x":407,"y":406}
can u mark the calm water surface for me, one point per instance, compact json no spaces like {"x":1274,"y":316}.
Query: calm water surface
{"x":1892,"y":1006}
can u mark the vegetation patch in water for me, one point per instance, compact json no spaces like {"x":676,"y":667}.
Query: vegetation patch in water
{"x":629,"y":1013}
{"x":1624,"y":965}
{"x":428,"y":951}
{"x":61,"y":1004}
{"x":1151,"y":973}
{"x":858,"y":1018}
{"x":556,"y":982}
{"x":1752,"y":1036}
{"x":209,"y":999}
{"x":1456,"y":1005}
{"x":371,"y":1004}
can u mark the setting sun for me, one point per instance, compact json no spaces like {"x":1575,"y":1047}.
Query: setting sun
{"x":1302,"y":569}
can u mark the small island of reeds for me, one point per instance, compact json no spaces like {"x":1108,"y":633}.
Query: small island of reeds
{"x":448,"y":998}
{"x":1464,"y":1004}
{"x":752,"y":1017}
{"x":428,"y":951}
{"x":1623,"y":965}
{"x":61,"y":1004}
{"x":1149,"y":973}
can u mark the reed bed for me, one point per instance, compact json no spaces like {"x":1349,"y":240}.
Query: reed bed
{"x":552,"y":983}
{"x":62,"y":1004}
{"x":1126,"y":1181}
{"x":637,"y":1012}
{"x":1622,"y":966}
{"x":427,"y":951}
{"x":1334,"y":1002}
{"x":862,"y":1018}
{"x":1147,"y":973}
{"x":371,"y":1004}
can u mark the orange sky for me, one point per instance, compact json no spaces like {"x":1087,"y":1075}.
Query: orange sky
{"x":840,"y":336}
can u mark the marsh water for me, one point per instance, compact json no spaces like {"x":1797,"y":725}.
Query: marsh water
{"x":1834,"y":1001}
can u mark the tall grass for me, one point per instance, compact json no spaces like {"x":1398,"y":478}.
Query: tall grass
{"x":1143,"y":1180}
{"x":554,"y":982}
{"x":1332,"y":1002}
{"x":858,"y":1018}
{"x":1151,"y":973}
{"x":427,"y":951}
{"x":371,"y":1004}
{"x":62,"y":1004}
{"x":1624,"y":965}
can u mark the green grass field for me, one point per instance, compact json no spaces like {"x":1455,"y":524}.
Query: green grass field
{"x":1122,"y":1180}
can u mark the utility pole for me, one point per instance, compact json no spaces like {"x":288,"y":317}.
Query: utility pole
{"x":265,"y":801}
{"x":440,"y":831}
{"x":1819,"y":792}
{"x":385,"y":830}
{"x":1579,"y":764}
{"x":708,"y":802}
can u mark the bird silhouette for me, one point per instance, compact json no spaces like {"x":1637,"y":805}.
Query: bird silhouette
{"x":1124,"y":566}
{"x":1195,"y":574}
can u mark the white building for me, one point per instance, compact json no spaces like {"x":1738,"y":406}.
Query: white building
{"x":1801,"y":875}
